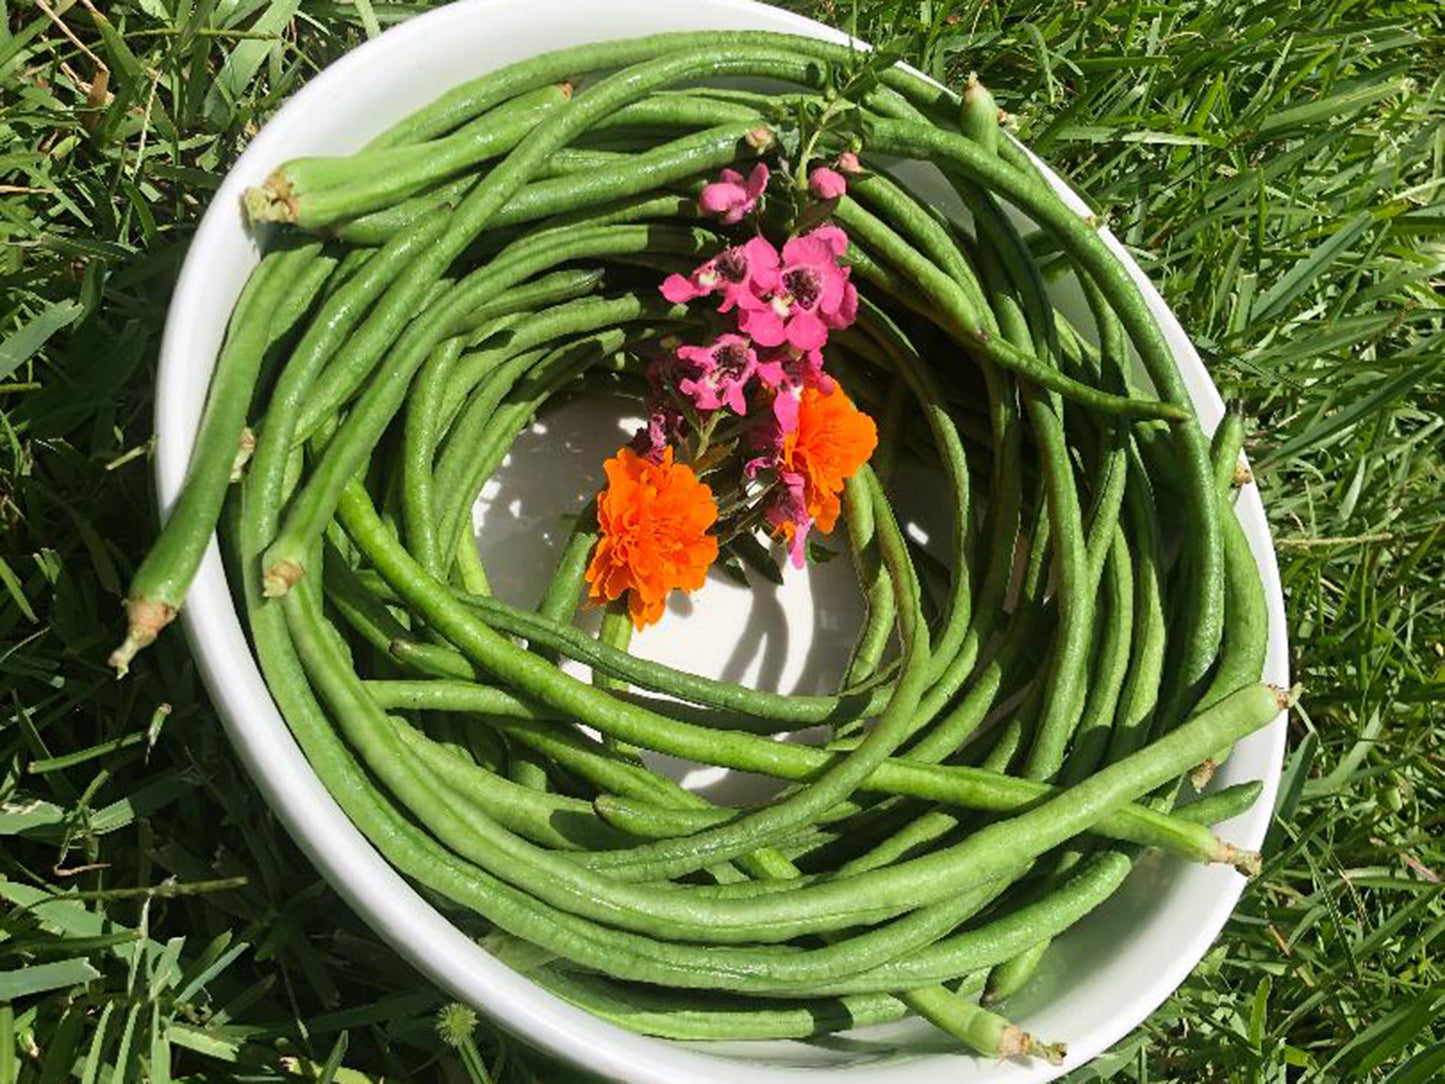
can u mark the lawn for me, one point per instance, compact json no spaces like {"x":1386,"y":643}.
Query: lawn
{"x":1278,"y":168}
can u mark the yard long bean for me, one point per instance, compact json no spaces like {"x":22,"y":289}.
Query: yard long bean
{"x":1087,"y":626}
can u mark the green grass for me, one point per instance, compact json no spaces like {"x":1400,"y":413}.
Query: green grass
{"x":1278,"y":167}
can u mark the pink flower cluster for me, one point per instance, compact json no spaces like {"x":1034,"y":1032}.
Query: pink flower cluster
{"x":788,"y":299}
{"x":782,"y":305}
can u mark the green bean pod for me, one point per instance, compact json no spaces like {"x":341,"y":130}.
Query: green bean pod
{"x":160,"y":583}
{"x":1071,"y":622}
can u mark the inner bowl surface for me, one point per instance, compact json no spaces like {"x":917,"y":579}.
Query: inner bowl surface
{"x":1100,"y":980}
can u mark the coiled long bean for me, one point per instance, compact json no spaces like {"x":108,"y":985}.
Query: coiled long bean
{"x":1041,"y":673}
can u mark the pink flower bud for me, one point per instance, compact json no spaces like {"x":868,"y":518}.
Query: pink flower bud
{"x":826,"y":183}
{"x":733,"y":198}
{"x":760,"y":139}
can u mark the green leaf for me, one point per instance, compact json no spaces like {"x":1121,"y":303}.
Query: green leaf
{"x":222,"y":1043}
{"x":818,"y":553}
{"x":1357,"y":410}
{"x":1424,"y":1068}
{"x":219,"y":955}
{"x":167,"y":969}
{"x":1349,"y":101}
{"x":159,"y":1061}
{"x":19,"y":818}
{"x":1258,"y":1012}
{"x":80,"y":756}
{"x":41,"y":820}
{"x":333,"y":1061}
{"x":1291,"y":786}
{"x":368,"y":18}
{"x":379,"y":1012}
{"x":59,"y":1053}
{"x":16,"y":591}
{"x":120,"y":54}
{"x":9,"y":1070}
{"x":1302,"y":275}
{"x":245,"y":62}
{"x":20,"y":346}
{"x":155,"y":795}
{"x":1422,"y":1015}
{"x":1083,"y":133}
{"x":95,"y":1055}
{"x":73,"y":945}
{"x":1349,"y":764}
{"x":756,"y":556}
{"x":729,"y":564}
{"x":37,"y":978}
{"x":123,"y":1053}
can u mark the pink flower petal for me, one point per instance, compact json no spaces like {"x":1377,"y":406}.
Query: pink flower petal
{"x":763,"y":325}
{"x":826,"y":183}
{"x":798,"y":549}
{"x":717,"y":375}
{"x":763,"y":261}
{"x":847,"y":310}
{"x":831,"y":295}
{"x":680,"y":290}
{"x":806,"y":331}
{"x":789,"y":508}
{"x":785,"y":413}
{"x":664,"y":424}
{"x":731,"y":197}
{"x":833,"y":237}
{"x":721,"y":196}
{"x":734,"y":398}
{"x":772,"y":373}
{"x":757,"y":181}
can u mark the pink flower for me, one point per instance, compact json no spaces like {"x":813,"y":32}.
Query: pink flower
{"x":812,"y":294}
{"x":786,"y":511}
{"x":787,"y":514}
{"x":848,"y":163}
{"x":769,"y":438}
{"x":719,"y":373}
{"x":789,"y":367}
{"x":732,"y":197}
{"x":826,"y":183}
{"x":833,"y":237}
{"x":743,"y":273}
{"x":664,"y":426}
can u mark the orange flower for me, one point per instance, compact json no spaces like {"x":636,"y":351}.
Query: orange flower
{"x":833,"y":439}
{"x":654,"y":519}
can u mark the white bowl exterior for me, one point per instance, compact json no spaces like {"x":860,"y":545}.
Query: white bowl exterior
{"x":1174,"y":911}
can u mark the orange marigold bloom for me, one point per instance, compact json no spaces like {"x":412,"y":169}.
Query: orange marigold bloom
{"x":833,"y":439}
{"x":654,"y":519}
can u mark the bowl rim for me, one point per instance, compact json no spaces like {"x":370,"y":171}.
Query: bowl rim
{"x":385,"y":900}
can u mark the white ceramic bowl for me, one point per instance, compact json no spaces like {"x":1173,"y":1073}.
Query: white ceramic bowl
{"x":1100,"y":981}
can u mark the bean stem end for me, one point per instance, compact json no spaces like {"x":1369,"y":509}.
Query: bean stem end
{"x":146,"y":618}
{"x":271,"y":202}
{"x":1248,"y":863}
{"x":244,"y":451}
{"x":1017,"y":1043}
{"x":1200,"y":777}
{"x":280,"y":577}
